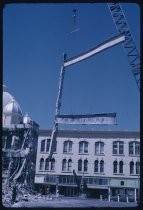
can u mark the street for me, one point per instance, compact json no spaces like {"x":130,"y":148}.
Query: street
{"x":68,"y":202}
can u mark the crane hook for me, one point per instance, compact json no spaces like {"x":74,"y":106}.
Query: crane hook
{"x":74,"y":21}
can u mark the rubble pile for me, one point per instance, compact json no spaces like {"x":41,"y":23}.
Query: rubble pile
{"x":15,"y":193}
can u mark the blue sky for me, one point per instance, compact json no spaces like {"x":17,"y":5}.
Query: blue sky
{"x":34,"y":39}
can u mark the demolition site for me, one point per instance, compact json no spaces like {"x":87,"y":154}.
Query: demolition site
{"x":71,"y":168}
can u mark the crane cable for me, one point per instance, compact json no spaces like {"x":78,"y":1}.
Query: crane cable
{"x":75,"y":21}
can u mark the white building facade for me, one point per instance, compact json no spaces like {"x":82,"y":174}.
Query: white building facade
{"x":96,"y":163}
{"x":19,"y":146}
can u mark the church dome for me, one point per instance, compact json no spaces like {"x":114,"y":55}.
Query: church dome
{"x":7,"y":97}
{"x":12,"y":108}
{"x":12,"y":113}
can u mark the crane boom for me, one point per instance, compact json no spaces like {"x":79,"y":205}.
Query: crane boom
{"x":129,"y":44}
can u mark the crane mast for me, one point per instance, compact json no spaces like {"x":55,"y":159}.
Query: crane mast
{"x":129,"y":44}
{"x":102,"y":118}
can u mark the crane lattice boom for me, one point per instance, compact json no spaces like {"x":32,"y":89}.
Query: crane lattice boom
{"x":129,"y":44}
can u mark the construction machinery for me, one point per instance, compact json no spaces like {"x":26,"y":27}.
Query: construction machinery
{"x":129,"y":45}
{"x":124,"y":36}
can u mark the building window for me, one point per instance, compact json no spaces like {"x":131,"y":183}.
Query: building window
{"x":47,"y":164}
{"x":115,"y":164}
{"x":48,"y":145}
{"x":99,"y":148}
{"x":64,"y":163}
{"x":101,"y":166}
{"x":79,"y":165}
{"x":67,"y":147}
{"x":69,"y":165}
{"x":85,"y":165}
{"x":131,"y":148}
{"x":115,"y":148}
{"x":53,"y":164}
{"x":121,"y":167}
{"x":83,"y":147}
{"x":118,"y":147}
{"x":122,"y":183}
{"x":121,"y":147}
{"x":131,"y":167}
{"x":137,"y":148}
{"x":42,"y":145}
{"x":96,"y":166}
{"x":41,"y":164}
{"x":134,"y":148}
{"x":137,"y":167}
{"x":55,"y":147}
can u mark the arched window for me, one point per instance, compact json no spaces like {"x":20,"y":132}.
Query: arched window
{"x":48,"y":145}
{"x":53,"y":164}
{"x":131,"y":167}
{"x":67,"y":147}
{"x":83,"y":147}
{"x":121,"y":167}
{"x":79,"y":165}
{"x":96,"y":166}
{"x":64,"y":163}
{"x":47,"y":164}
{"x":85,"y":165}
{"x":102,"y":166}
{"x":41,"y":164}
{"x":137,"y":167}
{"x":115,"y":166}
{"x":99,"y":148}
{"x":69,"y":165}
{"x":42,"y":145}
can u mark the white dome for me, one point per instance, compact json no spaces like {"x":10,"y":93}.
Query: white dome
{"x":12,"y":113}
{"x":12,"y":108}
{"x":7,"y":97}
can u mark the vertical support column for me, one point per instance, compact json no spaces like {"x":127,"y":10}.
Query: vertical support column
{"x":127,"y":199}
{"x":135,"y":195}
{"x":58,"y":106}
{"x":109,"y":194}
{"x":57,"y":186}
{"x":118,"y":198}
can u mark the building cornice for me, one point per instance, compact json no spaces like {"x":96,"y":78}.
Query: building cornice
{"x":91,"y":134}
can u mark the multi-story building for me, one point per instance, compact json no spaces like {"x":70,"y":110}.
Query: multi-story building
{"x":102,"y":162}
{"x":95,"y":163}
{"x":19,"y":146}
